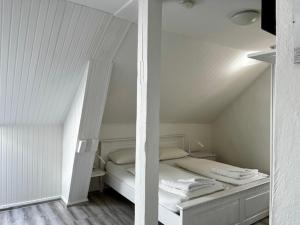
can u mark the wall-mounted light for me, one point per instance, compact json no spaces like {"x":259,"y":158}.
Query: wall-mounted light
{"x":197,"y":142}
{"x":87,"y":145}
{"x":82,"y":146}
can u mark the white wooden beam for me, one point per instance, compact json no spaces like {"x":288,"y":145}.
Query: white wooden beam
{"x":148,"y":98}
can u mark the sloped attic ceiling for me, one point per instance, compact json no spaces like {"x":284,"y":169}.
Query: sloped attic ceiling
{"x":207,"y":20}
{"x":199,"y":79}
{"x":44,"y":46}
{"x":204,"y":64}
{"x":45,"y":43}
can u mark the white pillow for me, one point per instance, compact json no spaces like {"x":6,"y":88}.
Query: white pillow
{"x":172,"y":153}
{"x":123,"y":156}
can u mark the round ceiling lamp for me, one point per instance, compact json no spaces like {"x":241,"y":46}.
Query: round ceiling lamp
{"x":187,"y":3}
{"x":245,"y":17}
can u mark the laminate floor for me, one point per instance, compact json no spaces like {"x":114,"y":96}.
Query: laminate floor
{"x":108,"y":208}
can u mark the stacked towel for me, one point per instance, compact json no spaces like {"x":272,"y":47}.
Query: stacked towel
{"x":191,"y":184}
{"x":239,"y":174}
{"x":188,"y":190}
{"x":197,"y":179}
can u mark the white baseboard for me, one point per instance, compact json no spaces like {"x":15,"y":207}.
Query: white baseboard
{"x":41,"y":200}
{"x":67,"y":204}
{"x":19,"y":204}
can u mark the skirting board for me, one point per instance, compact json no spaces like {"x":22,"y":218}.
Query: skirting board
{"x":41,"y":200}
{"x":21,"y":204}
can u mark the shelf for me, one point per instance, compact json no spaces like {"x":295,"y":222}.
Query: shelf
{"x":266,"y":56}
{"x":98,"y":173}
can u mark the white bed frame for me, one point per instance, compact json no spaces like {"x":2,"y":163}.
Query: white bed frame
{"x":241,"y":205}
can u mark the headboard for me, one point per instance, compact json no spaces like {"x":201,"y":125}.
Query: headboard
{"x":166,"y":141}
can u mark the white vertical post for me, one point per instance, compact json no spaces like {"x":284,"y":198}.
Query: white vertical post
{"x":148,"y":102}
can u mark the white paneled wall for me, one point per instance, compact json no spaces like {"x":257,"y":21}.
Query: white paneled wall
{"x":30,"y":168}
{"x":43,"y":46}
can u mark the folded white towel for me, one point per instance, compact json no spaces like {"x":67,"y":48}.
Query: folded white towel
{"x":197,"y":179}
{"x":192,"y":194}
{"x":236,"y":174}
{"x":186,"y":186}
{"x":243,"y":171}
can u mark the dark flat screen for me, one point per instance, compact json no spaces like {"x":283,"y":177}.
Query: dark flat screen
{"x":268,"y":16}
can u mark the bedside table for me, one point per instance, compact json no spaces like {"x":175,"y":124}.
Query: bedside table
{"x":99,"y":173}
{"x":204,"y":155}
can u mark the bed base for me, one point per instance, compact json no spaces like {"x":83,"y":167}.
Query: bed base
{"x":242,"y":205}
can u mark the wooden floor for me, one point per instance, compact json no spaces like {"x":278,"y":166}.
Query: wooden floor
{"x":108,"y":208}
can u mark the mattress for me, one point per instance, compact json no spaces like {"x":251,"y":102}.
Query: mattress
{"x":166,"y":199}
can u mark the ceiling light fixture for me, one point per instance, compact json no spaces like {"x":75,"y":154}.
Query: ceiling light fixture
{"x":187,"y":3}
{"x":245,"y":17}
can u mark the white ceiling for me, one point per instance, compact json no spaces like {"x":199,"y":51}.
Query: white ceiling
{"x":208,"y":20}
{"x":44,"y":44}
{"x":198,"y":79}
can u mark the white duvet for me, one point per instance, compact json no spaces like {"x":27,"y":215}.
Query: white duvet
{"x":205,"y":168}
{"x":170,"y":173}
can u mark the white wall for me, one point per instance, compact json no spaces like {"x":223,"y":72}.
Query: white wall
{"x":241,"y":134}
{"x":193,"y":131}
{"x":198,"y":79}
{"x":70,"y":137}
{"x":30,"y":168}
{"x":286,"y":166}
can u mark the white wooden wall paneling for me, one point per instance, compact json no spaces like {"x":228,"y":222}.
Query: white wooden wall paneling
{"x":147,"y":127}
{"x":15,"y":21}
{"x":59,"y":56}
{"x":68,"y":49}
{"x":5,"y":36}
{"x":22,"y":33}
{"x":106,"y":5}
{"x":43,"y":46}
{"x":30,"y":168}
{"x":39,"y":24}
{"x":50,"y":26}
{"x":51,"y":50}
{"x":125,"y":9}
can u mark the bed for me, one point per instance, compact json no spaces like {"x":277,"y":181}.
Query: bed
{"x":243,"y":204}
